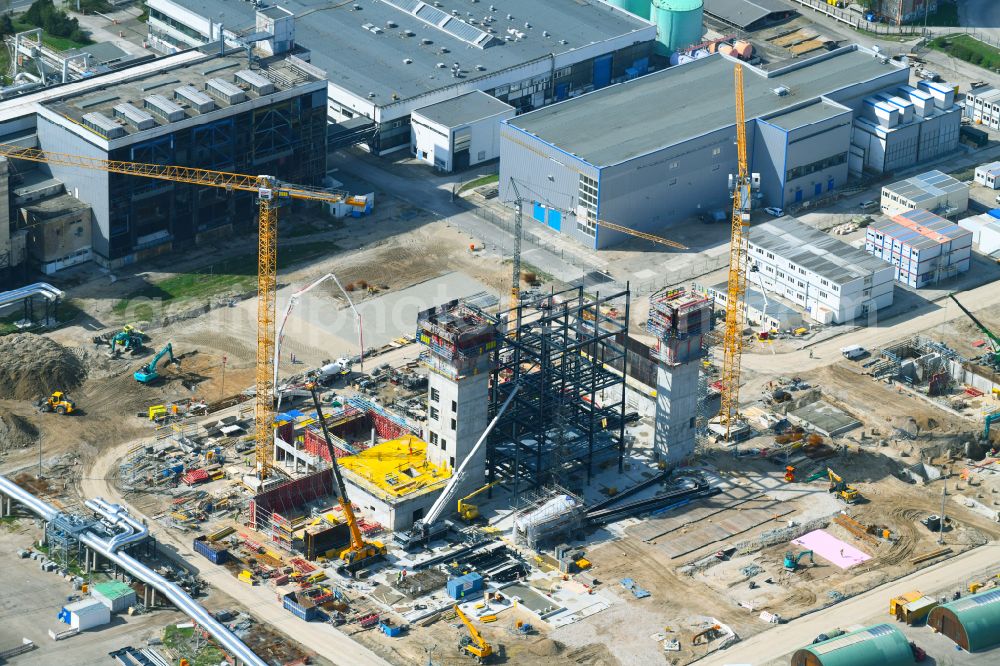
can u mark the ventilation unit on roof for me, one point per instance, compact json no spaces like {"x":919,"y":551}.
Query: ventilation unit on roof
{"x":257,"y":82}
{"x":198,"y":100}
{"x":426,"y":41}
{"x":407,"y":61}
{"x":134,"y":116}
{"x":563,"y":42}
{"x":441,"y":65}
{"x":390,"y":24}
{"x":444,"y":49}
{"x":408,"y":33}
{"x":224,"y":91}
{"x":163,"y":107}
{"x":480,"y":68}
{"x":100,"y":124}
{"x":781,"y":91}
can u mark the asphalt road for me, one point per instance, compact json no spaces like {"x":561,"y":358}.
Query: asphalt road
{"x":901,"y":326}
{"x":863,"y":609}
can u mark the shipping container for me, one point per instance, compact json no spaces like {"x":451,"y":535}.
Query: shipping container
{"x":465,"y":586}
{"x":307,"y":612}
{"x":85,"y":614}
{"x":117,"y":596}
{"x":215,"y":552}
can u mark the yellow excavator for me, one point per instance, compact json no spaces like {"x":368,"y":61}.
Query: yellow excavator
{"x":360,"y":553}
{"x":840,"y":487}
{"x":468,"y":511}
{"x":58,"y":402}
{"x":474,"y":644}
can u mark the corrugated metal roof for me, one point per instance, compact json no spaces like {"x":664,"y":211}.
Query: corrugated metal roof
{"x":638,"y":117}
{"x":993,"y":168}
{"x":113,"y":589}
{"x":814,"y":250}
{"x":926,"y":186}
{"x":743,"y":13}
{"x":880,"y":645}
{"x":920,"y":229}
{"x":979,"y":615}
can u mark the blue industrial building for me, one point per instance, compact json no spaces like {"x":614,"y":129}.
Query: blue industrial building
{"x":658,"y":150}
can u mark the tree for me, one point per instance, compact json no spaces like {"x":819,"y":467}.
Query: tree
{"x":6,"y":25}
{"x":43,"y":13}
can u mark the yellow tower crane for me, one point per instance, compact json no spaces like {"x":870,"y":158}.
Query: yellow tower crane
{"x":742,"y":186}
{"x":271,"y":193}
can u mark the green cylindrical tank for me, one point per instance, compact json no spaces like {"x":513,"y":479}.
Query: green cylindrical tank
{"x":678,"y":23}
{"x":640,"y":8}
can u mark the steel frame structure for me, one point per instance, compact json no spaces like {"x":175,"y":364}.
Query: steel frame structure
{"x":561,"y":357}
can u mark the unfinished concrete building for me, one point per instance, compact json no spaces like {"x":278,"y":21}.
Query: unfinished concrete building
{"x":680,"y":319}
{"x":459,"y":343}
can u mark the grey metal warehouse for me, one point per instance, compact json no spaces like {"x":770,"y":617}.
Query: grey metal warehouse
{"x":386,"y":58}
{"x":655,"y":151}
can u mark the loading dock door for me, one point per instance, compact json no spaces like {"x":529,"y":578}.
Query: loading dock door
{"x":555,"y":219}
{"x":602,"y":71}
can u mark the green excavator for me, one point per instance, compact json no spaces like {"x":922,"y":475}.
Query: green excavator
{"x":148,"y":374}
{"x":792,"y":560}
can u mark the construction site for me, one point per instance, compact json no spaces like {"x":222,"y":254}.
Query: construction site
{"x":362,"y":416}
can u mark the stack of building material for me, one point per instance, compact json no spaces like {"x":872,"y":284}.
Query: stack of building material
{"x":195,"y":476}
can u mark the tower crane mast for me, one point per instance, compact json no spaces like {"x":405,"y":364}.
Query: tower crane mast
{"x":271,"y":194}
{"x":742,"y":186}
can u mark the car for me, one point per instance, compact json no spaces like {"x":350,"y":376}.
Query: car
{"x":871,"y":204}
{"x":776,"y":212}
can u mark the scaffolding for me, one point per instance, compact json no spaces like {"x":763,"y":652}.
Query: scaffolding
{"x":62,"y":535}
{"x":546,"y":515}
{"x":563,"y":352}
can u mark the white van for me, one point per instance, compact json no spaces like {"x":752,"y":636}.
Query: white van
{"x":853,"y":352}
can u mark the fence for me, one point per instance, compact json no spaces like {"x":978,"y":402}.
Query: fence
{"x":858,"y":21}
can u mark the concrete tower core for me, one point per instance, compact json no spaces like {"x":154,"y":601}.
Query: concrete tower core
{"x":680,"y":319}
{"x":458,"y":349}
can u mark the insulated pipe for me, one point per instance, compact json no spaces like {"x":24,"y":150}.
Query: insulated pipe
{"x":171,"y":591}
{"x":117,"y":516}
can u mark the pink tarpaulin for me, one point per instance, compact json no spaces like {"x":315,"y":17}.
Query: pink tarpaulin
{"x":829,"y":547}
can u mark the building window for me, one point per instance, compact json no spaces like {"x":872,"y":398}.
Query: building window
{"x":454,"y":425}
{"x":454,"y":407}
{"x":716,"y":151}
{"x":813,"y":167}
{"x":715,"y":167}
{"x":768,"y":269}
{"x":674,"y":165}
{"x":780,"y":274}
{"x":451,"y":462}
{"x":802,"y":284}
{"x":435,"y":395}
{"x":802,"y":271}
{"x":444,"y":443}
{"x":824,"y":283}
{"x":822,"y":294}
{"x":770,"y":255}
{"x":434,"y":438}
{"x":588,"y":202}
{"x":434,"y":413}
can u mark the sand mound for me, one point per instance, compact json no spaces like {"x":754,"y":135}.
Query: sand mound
{"x":33,"y":365}
{"x":16,"y":432}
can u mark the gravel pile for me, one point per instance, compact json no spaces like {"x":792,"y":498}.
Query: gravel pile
{"x":34,"y":365}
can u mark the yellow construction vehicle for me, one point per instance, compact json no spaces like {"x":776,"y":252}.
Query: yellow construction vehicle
{"x":360,"y":553}
{"x":844,"y":491}
{"x":474,"y":644}
{"x":466,"y":509}
{"x":58,"y":402}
